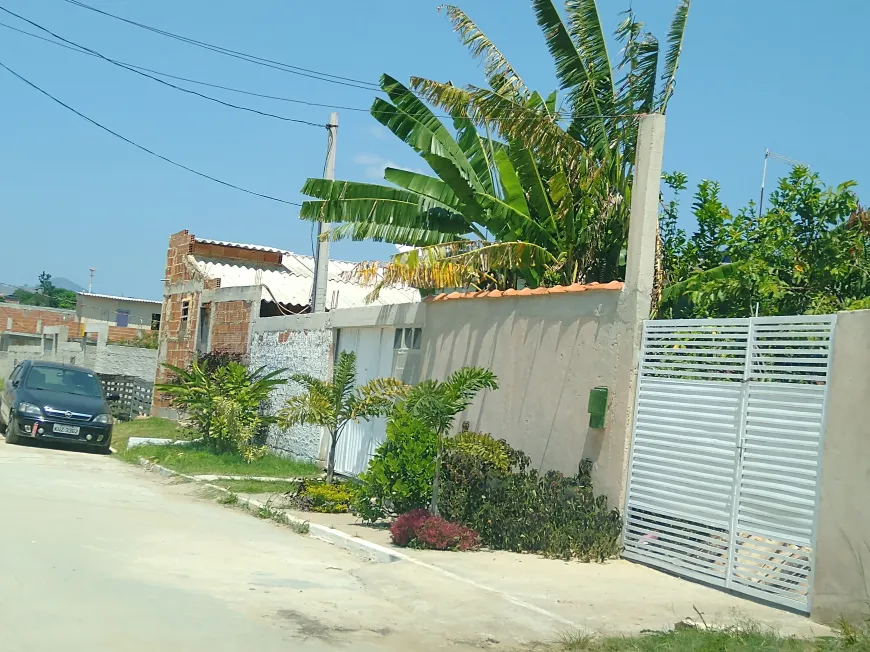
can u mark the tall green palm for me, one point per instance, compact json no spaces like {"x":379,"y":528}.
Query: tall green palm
{"x":437,"y":403}
{"x":334,"y":404}
{"x":549,"y":202}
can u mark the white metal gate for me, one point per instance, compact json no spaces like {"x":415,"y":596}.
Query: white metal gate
{"x":726,"y":452}
{"x":374,"y":359}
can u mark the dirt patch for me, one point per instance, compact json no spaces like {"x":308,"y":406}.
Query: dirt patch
{"x":313,"y":628}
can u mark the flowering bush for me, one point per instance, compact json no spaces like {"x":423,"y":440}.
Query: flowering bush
{"x":419,"y":529}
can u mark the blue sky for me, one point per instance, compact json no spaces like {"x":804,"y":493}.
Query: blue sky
{"x":782,"y":74}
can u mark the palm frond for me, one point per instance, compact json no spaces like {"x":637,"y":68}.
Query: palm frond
{"x":377,"y":397}
{"x":458,"y":264}
{"x":311,"y":383}
{"x":576,"y":76}
{"x":676,"y":35}
{"x":584,"y":26}
{"x":636,"y":91}
{"x":500,"y":74}
{"x":309,"y":408}
{"x":343,"y":379}
{"x":465,"y":383}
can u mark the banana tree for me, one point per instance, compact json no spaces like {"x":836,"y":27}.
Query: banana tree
{"x":547,"y":203}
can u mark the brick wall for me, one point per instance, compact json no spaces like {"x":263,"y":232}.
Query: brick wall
{"x":231,"y":322}
{"x":32,"y":319}
{"x":180,"y":246}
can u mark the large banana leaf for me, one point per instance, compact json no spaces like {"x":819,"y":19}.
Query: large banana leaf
{"x":410,"y":106}
{"x":393,"y":233}
{"x":434,"y":189}
{"x":348,"y":201}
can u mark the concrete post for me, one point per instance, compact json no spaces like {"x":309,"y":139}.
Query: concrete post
{"x":635,"y":302}
{"x":640,"y":265}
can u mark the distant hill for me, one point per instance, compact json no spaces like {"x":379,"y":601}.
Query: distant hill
{"x":6,"y":289}
{"x":66,"y":284}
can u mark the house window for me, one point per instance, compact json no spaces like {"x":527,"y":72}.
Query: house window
{"x":407,"y":338}
{"x":185,"y":314}
{"x":122,"y":318}
{"x":155,"y":321}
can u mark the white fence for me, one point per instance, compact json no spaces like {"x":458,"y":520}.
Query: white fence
{"x":726,"y":451}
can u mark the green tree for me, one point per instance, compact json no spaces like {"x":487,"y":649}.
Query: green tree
{"x":437,"y":403}
{"x":809,"y":253}
{"x":47,"y":294}
{"x":334,"y":404}
{"x":544,"y":196}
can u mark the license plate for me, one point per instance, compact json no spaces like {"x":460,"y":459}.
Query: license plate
{"x":66,"y":430}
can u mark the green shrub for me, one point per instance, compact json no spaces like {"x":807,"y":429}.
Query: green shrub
{"x":328,"y":498}
{"x":523,"y":511}
{"x":481,"y":446}
{"x":224,"y":404}
{"x":399,"y":476}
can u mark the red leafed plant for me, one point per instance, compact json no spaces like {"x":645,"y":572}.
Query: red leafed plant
{"x":419,"y":529}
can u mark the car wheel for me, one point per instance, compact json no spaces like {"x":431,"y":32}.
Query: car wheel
{"x":11,"y":437}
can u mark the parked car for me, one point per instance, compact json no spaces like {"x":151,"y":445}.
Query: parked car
{"x":56,"y":402}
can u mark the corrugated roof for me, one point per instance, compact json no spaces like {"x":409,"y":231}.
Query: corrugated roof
{"x":291,"y":282}
{"x":244,"y":246}
{"x":528,"y":292}
{"x":112,"y":296}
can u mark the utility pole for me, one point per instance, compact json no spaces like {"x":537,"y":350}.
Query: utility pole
{"x":321,"y":259}
{"x":785,"y":159}
{"x":91,"y":281}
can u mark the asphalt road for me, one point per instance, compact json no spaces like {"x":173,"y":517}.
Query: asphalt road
{"x":99,"y":556}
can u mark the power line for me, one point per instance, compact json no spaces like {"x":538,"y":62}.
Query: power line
{"x":336,"y":79}
{"x":143,"y":148}
{"x":269,"y":63}
{"x":87,"y":50}
{"x":188,"y":79}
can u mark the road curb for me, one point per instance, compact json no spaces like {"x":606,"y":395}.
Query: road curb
{"x":361,"y":547}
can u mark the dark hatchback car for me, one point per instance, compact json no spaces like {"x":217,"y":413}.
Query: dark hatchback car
{"x":56,"y":402}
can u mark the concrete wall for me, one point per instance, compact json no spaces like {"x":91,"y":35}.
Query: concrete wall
{"x":548,"y":352}
{"x":126,"y":361}
{"x":842,"y":578}
{"x":104,"y":309}
{"x":304,"y":351}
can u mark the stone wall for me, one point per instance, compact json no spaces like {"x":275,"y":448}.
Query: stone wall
{"x":125,"y":361}
{"x":304,"y":351}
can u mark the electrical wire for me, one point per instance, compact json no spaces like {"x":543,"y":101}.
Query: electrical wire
{"x":84,"y":50}
{"x":143,"y":148}
{"x":188,"y":79}
{"x":269,"y":63}
{"x":336,"y":79}
{"x":87,"y":50}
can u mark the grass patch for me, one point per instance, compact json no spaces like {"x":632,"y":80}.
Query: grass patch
{"x":748,"y":639}
{"x":196,"y":459}
{"x":257,"y":486}
{"x":150,"y":427}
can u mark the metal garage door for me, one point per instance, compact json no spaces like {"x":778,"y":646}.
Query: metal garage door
{"x":374,"y":359}
{"x":726,"y":451}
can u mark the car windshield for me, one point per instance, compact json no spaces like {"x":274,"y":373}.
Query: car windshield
{"x":69,"y":381}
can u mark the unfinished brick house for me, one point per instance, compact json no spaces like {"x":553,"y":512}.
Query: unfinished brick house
{"x":214,"y":291}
